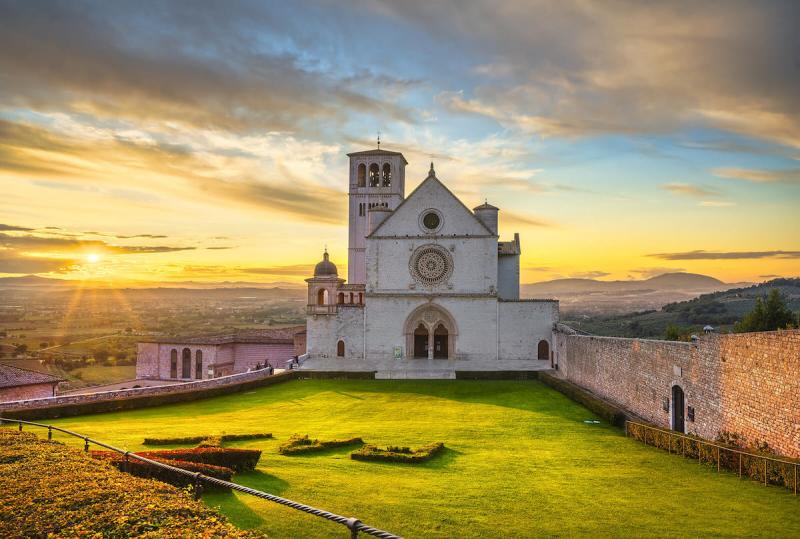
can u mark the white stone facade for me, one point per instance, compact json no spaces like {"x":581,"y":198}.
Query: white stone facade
{"x":428,"y":280}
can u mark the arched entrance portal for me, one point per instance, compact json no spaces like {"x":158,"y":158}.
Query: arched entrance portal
{"x":430,"y":333}
{"x":677,"y":409}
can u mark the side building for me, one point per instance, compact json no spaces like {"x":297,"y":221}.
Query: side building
{"x":204,"y":357}
{"x":23,"y":384}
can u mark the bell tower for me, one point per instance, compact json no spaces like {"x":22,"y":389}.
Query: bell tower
{"x":377,"y":180}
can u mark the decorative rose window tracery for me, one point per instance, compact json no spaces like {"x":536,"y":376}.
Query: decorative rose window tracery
{"x":431,"y":265}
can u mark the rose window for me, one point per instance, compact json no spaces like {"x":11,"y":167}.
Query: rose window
{"x":431,"y":265}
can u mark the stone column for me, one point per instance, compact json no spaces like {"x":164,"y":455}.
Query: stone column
{"x":430,"y":344}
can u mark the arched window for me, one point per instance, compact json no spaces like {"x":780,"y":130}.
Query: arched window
{"x":360,"y":298}
{"x":374,"y":175}
{"x":198,"y":364}
{"x":173,"y":364}
{"x":341,"y":298}
{"x":543,"y":350}
{"x":387,"y":175}
{"x":351,"y":298}
{"x":186,"y":363}
{"x":322,"y":296}
{"x":362,"y":175}
{"x":340,"y":349}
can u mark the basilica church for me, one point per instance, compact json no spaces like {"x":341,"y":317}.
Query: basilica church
{"x":427,"y":279}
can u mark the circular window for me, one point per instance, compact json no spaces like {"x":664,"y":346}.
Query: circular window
{"x":431,"y":265}
{"x":430,"y":221}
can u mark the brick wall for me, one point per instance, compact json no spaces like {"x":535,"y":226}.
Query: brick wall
{"x":33,"y":391}
{"x":743,"y":383}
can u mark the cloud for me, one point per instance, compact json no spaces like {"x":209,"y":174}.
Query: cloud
{"x":208,"y":69}
{"x":589,"y":274}
{"x":537,"y":268}
{"x":518,"y":219}
{"x":293,"y":270}
{"x":646,"y":273}
{"x":572,"y":68}
{"x":13,"y":262}
{"x":222,"y":248}
{"x":759,"y":176}
{"x":689,"y":189}
{"x":716,"y":204}
{"x":34,"y":243}
{"x":14,"y":228}
{"x":730,"y":255}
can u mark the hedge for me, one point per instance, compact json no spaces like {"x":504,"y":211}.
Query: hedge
{"x":496,"y":375}
{"x":693,"y":447}
{"x":398,"y":454}
{"x":48,"y":489}
{"x":236,"y":459}
{"x":143,"y":469}
{"x":303,"y":444}
{"x":609,"y":412}
{"x":199,"y":439}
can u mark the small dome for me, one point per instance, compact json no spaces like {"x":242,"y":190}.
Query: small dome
{"x":325,"y":268}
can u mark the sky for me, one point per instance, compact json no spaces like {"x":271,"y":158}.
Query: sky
{"x":206,"y":141}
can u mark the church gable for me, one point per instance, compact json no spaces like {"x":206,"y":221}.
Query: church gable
{"x":411,"y":217}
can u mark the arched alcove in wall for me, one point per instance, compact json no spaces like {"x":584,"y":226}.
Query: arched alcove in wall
{"x":430,"y":331}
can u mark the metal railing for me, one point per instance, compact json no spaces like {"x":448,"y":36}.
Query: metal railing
{"x":770,"y":470}
{"x":353,"y":524}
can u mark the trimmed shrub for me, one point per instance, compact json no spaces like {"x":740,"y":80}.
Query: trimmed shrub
{"x":51,"y":490}
{"x":236,"y":459}
{"x":609,"y":412}
{"x":200,"y":439}
{"x":751,"y":464}
{"x":303,"y":444}
{"x":398,"y":454}
{"x":142,"y":469}
{"x":211,"y":441}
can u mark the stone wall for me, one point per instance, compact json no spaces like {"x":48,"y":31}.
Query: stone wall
{"x":523,"y":324}
{"x":125,"y":399}
{"x":747,"y":384}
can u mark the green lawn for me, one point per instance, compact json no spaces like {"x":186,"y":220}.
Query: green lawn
{"x":520,"y":462}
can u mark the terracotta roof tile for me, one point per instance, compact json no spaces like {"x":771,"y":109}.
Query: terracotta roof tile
{"x":14,"y":376}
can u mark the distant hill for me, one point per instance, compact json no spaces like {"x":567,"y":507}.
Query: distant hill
{"x":718,"y":309}
{"x":594,"y":296}
{"x":33,"y":281}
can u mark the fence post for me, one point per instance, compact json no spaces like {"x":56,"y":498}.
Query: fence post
{"x":718,"y":451}
{"x":20,"y":426}
{"x":795,"y":479}
{"x":198,"y":486}
{"x":353,"y":523}
{"x":765,"y":471}
{"x":86,"y":444}
{"x":740,"y":465}
{"x":49,"y":433}
{"x":126,"y":463}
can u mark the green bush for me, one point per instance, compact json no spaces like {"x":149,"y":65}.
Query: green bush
{"x":48,"y":489}
{"x":236,"y":459}
{"x":727,"y":451}
{"x":200,"y":439}
{"x":303,"y":444}
{"x":211,"y":441}
{"x":397,"y":454}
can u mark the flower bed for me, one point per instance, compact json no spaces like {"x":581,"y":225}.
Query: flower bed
{"x":48,"y":489}
{"x":397,"y":454}
{"x":142,"y":469}
{"x":298,"y":444}
{"x":238,"y":460}
{"x":204,"y":438}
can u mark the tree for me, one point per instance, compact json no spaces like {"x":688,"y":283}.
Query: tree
{"x":101,"y":355}
{"x":20,"y":349}
{"x":769,"y":313}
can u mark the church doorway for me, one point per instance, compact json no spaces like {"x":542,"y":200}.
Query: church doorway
{"x":430,"y":332}
{"x":421,"y":341}
{"x":440,"y":342}
{"x":677,"y":409}
{"x":543,"y":351}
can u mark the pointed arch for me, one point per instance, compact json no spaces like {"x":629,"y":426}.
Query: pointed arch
{"x":186,"y":363}
{"x":441,"y":328}
{"x":374,"y":175}
{"x":386,"y":175}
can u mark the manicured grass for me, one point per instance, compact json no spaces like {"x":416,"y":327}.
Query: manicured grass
{"x":519,"y":462}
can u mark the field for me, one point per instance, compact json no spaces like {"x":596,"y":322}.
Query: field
{"x":520,"y":462}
